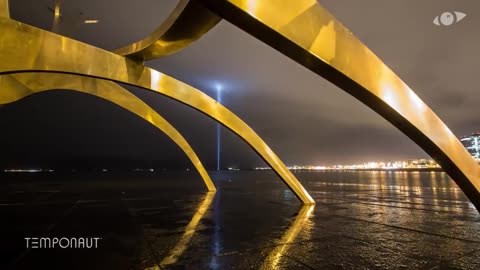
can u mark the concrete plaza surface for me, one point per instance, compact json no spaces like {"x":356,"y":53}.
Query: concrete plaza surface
{"x":166,"y":220}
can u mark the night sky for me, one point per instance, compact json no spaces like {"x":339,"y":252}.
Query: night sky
{"x":301,"y":116}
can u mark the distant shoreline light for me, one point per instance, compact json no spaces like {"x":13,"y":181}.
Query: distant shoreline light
{"x":27,"y":170}
{"x":411,"y":164}
{"x":91,"y":21}
{"x":371,"y":165}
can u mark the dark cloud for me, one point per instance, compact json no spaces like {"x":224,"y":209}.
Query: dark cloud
{"x":304,"y":118}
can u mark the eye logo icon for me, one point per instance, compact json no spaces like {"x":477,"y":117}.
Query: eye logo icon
{"x":449,"y":18}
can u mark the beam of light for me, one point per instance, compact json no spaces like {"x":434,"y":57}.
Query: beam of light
{"x":219,"y":100}
{"x":217,"y":246}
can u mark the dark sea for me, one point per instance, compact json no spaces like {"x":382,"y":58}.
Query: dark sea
{"x":167,"y":220}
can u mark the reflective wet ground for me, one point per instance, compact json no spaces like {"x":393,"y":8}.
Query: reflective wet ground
{"x":362,"y":220}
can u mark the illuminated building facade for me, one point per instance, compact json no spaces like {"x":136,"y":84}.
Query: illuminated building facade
{"x":472,"y":143}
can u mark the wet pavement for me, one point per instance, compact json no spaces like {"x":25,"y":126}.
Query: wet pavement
{"x":362,"y":220}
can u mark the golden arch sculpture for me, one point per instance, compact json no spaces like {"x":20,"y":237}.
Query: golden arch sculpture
{"x":302,"y":30}
{"x":189,"y":21}
{"x":307,"y":33}
{"x":17,"y":86}
{"x":24,"y":48}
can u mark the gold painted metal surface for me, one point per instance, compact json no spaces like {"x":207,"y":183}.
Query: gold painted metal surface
{"x":298,"y":225}
{"x":307,"y":33}
{"x":16,"y":86}
{"x":189,"y":21}
{"x":25,"y":48}
{"x":4,"y":10}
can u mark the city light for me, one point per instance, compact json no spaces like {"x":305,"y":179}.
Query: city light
{"x":27,"y":170}
{"x":472,"y":144}
{"x":371,"y":165}
{"x":90,"y":21}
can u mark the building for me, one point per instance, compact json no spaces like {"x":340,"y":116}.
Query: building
{"x":472,"y":143}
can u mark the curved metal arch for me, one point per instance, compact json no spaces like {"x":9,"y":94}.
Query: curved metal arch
{"x":307,"y":33}
{"x":24,"y":48}
{"x":189,"y":21}
{"x":17,"y":86}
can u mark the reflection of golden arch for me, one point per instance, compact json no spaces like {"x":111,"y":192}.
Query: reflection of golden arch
{"x":190,"y":229}
{"x":289,"y":236}
{"x":182,"y":244}
{"x":17,"y":86}
{"x":24,"y":48}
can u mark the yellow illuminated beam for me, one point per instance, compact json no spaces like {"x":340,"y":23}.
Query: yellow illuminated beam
{"x":189,"y":21}
{"x":25,"y":48}
{"x":307,"y":33}
{"x":16,"y":86}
